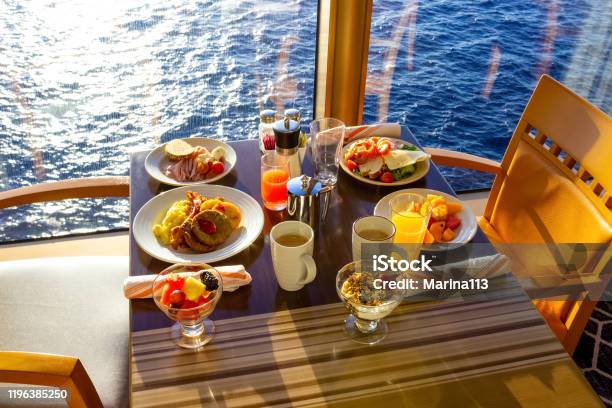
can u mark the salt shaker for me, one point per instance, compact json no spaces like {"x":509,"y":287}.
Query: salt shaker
{"x":266,"y":134}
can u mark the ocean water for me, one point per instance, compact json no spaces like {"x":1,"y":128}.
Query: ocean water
{"x":83,"y":83}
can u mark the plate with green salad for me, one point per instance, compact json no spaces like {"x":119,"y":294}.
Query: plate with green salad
{"x":384,"y":161}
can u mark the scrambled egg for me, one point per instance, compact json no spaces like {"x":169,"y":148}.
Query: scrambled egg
{"x":175,"y":216}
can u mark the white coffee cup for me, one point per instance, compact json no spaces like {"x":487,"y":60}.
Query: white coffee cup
{"x":293,"y":265}
{"x":371,"y":223}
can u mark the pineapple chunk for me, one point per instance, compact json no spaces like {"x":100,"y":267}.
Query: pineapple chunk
{"x":438,"y":201}
{"x":439,"y":213}
{"x":431,"y":197}
{"x":425,"y":208}
{"x":193,"y":289}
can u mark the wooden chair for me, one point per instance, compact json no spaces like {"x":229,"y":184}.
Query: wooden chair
{"x":65,"y":189}
{"x":50,"y":370}
{"x":553,"y":185}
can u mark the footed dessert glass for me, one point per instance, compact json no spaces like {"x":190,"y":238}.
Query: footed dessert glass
{"x":192,"y":330}
{"x":367,"y":304}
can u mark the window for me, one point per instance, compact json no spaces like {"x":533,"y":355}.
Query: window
{"x":83,"y":83}
{"x":459,"y":74}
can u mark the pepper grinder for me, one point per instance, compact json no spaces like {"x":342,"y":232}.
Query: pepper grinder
{"x":287,"y":137}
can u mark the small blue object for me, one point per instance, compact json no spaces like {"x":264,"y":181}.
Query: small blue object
{"x":299,"y":186}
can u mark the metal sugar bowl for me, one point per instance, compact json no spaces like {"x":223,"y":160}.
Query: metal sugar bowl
{"x":308,"y":200}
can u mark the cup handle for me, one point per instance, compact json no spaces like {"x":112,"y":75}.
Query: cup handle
{"x":311,"y":269}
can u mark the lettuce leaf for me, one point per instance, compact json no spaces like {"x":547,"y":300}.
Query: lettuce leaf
{"x":403,"y":172}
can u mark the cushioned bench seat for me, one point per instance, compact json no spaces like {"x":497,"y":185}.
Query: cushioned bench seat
{"x":70,"y":306}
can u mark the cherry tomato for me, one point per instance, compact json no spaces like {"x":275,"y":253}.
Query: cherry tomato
{"x":351,"y":165}
{"x":386,"y":177}
{"x":217,"y":167}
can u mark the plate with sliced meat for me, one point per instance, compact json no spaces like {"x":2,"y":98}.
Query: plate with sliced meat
{"x":205,"y":223}
{"x":384,"y":161}
{"x":190,"y":161}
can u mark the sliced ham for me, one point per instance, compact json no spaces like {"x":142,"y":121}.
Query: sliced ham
{"x":186,"y":169}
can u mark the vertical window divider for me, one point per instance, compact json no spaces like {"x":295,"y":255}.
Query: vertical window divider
{"x":343,"y":39}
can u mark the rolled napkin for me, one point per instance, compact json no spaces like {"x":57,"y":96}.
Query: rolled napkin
{"x":140,"y":287}
{"x":378,"y":129}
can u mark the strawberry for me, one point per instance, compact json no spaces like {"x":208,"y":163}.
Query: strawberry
{"x":188,"y":304}
{"x":203,"y":300}
{"x":453,"y":222}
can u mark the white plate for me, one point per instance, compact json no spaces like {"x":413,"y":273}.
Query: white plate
{"x":155,"y":209}
{"x":421,"y":169}
{"x":157,"y":161}
{"x":464,"y":233}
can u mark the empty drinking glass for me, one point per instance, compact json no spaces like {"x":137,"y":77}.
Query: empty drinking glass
{"x":327,"y":136}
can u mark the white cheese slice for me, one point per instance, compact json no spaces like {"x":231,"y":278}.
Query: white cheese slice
{"x":396,"y":159}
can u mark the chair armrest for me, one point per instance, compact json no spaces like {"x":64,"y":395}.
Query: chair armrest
{"x":451,"y":158}
{"x":50,"y":370}
{"x":65,"y":189}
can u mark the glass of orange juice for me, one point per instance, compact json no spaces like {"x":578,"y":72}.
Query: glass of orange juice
{"x":410,"y":214}
{"x":274,"y":177}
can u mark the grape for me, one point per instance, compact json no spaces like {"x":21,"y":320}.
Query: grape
{"x":177,"y":298}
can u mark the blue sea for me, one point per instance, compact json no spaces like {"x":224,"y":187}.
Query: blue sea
{"x":83,"y":83}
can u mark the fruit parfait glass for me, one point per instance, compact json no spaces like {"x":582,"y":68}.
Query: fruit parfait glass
{"x":188,"y":294}
{"x":369,"y":298}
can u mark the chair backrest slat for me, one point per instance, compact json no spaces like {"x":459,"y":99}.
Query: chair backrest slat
{"x":570,"y":133}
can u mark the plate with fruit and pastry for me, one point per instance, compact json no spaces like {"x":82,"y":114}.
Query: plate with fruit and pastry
{"x":451,"y":223}
{"x":204,"y":223}
{"x":190,"y":161}
{"x":384,"y":161}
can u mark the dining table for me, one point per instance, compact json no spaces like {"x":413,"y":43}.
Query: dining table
{"x":278,"y":348}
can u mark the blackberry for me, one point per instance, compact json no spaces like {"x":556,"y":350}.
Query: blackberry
{"x":209,"y":280}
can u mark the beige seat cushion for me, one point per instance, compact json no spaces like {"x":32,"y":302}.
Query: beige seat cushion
{"x":70,"y":306}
